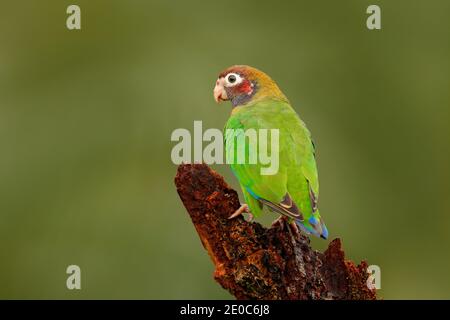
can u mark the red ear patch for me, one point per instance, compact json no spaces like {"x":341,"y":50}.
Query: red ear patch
{"x":245,"y":87}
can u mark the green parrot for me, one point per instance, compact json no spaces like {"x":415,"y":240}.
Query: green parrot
{"x":293,"y":190}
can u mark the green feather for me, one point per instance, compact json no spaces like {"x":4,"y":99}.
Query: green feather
{"x":297,"y":174}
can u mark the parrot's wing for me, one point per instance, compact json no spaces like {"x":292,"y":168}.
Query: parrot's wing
{"x":303,"y":182}
{"x":270,"y":190}
{"x":287,"y":207}
{"x":301,"y":139}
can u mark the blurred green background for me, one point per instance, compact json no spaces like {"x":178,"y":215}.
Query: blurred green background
{"x":86,"y":117}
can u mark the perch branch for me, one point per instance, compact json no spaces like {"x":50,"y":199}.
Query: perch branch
{"x":253,"y":262}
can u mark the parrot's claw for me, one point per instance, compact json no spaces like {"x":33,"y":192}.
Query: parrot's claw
{"x":283,"y":220}
{"x":280,"y":220}
{"x":243,"y":208}
{"x":294,"y":228}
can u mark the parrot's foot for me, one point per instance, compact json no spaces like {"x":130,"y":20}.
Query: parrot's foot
{"x":283,"y":220}
{"x":294,"y":229}
{"x":280,"y":220}
{"x":243,"y":208}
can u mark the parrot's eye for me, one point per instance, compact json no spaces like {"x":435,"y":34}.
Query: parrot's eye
{"x":233,"y":79}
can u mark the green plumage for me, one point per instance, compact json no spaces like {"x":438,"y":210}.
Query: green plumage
{"x":297,"y":173}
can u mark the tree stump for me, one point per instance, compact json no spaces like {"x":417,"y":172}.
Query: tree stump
{"x":253,"y":262}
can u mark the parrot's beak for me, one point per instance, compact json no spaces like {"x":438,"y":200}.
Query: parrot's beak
{"x":219,"y":91}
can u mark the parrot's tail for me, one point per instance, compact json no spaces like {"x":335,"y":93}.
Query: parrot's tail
{"x":314,"y":226}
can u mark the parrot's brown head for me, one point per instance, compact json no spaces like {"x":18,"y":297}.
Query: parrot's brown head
{"x":244,"y":84}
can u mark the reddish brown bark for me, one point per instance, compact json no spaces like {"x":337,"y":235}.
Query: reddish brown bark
{"x":253,"y":262}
